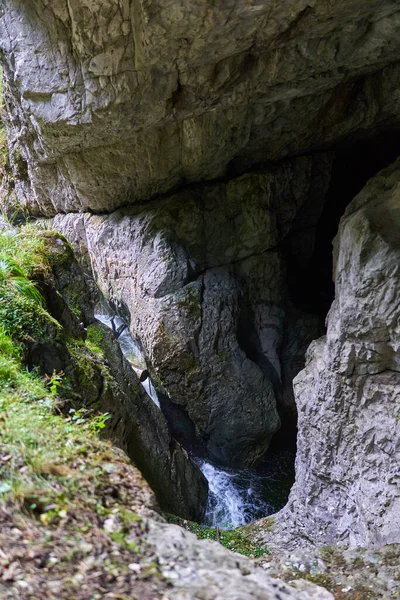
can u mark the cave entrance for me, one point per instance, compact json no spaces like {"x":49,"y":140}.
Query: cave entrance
{"x":310,"y":286}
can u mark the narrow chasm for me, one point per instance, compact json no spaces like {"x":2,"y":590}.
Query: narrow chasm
{"x":240,"y":496}
{"x":268,"y":306}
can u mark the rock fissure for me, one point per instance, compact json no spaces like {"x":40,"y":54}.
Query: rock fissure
{"x":201,"y":161}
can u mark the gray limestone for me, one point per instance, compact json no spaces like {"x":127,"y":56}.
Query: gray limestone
{"x":201,"y":277}
{"x":111,"y":102}
{"x":347,"y":486}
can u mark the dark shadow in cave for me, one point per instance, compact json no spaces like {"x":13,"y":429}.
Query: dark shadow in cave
{"x":310,"y":285}
{"x":311,"y":288}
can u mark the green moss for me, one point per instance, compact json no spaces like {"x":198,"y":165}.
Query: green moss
{"x":86,"y":372}
{"x":21,"y":165}
{"x":22,"y":311}
{"x":333,"y":555}
{"x":233,"y":539}
{"x":128,"y":517}
{"x":191,"y":365}
{"x":22,"y":316}
{"x":121,"y":538}
{"x":319,"y":579}
{"x":191,"y":304}
{"x":59,"y":255}
{"x":95,"y":338}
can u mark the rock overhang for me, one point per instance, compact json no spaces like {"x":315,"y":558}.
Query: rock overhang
{"x":111,"y":103}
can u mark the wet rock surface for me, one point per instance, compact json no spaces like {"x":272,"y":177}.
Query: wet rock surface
{"x":101,"y":379}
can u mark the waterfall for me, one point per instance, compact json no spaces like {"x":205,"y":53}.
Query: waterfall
{"x":236,"y":497}
{"x":240,"y":496}
{"x":129,"y":348}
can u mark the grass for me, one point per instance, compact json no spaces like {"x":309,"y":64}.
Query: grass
{"x":233,"y":539}
{"x":31,"y":434}
{"x":60,"y":486}
{"x":22,"y":260}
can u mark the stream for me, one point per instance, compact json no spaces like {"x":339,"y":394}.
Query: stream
{"x":236,"y":497}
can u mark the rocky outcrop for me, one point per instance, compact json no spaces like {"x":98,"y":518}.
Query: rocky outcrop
{"x":202,"y":568}
{"x":347,"y":486}
{"x":113,"y":102}
{"x":201,"y":276}
{"x":126,"y":109}
{"x":97,"y":377}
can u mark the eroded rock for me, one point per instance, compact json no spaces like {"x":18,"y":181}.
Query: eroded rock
{"x":348,"y":396}
{"x":99,"y":378}
{"x":202,"y":278}
{"x":113,"y":102}
{"x":204,"y":569}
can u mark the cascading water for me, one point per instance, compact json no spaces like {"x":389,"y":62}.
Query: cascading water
{"x":236,"y":497}
{"x":130,"y":349}
{"x":233,"y":499}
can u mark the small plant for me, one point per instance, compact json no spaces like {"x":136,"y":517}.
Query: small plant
{"x":13,"y":274}
{"x":95,"y":423}
{"x":55,"y":382}
{"x":98,"y":422}
{"x":233,"y":539}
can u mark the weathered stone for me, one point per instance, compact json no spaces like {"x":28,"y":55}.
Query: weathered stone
{"x":348,"y":396}
{"x":113,"y":102}
{"x":352,"y":572}
{"x":204,"y":569}
{"x":201,"y":276}
{"x":107,"y":383}
{"x":139,"y":427}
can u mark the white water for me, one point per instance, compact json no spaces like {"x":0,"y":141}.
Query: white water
{"x":130,"y":349}
{"x":235,"y":497}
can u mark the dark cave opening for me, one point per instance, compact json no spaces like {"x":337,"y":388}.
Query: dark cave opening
{"x":311,"y":286}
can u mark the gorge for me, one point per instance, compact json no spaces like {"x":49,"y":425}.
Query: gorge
{"x":227,"y":175}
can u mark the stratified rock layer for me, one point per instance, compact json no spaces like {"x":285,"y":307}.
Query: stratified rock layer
{"x":111,"y":102}
{"x":348,"y":396}
{"x":202,"y":278}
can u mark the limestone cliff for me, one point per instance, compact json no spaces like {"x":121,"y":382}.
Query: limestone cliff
{"x":113,"y":102}
{"x":191,"y":144}
{"x":347,"y":467}
{"x":201,"y":276}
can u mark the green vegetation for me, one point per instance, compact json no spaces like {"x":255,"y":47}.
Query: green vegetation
{"x":191,"y":303}
{"x":233,"y":539}
{"x":30,"y":431}
{"x":68,"y":495}
{"x":22,"y":311}
{"x":95,"y":339}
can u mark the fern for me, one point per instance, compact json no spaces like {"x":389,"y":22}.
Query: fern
{"x":13,"y":274}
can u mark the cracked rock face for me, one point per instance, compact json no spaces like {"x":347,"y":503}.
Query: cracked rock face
{"x":347,"y":486}
{"x":111,"y":102}
{"x":202,"y":278}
